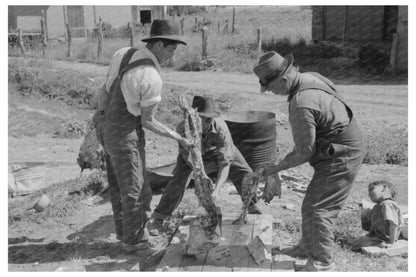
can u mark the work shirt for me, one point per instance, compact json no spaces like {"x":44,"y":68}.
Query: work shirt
{"x":142,"y":85}
{"x":387,"y":210}
{"x":218,"y":139}
{"x":309,"y":109}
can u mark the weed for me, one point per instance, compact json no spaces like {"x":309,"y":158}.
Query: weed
{"x":389,"y":145}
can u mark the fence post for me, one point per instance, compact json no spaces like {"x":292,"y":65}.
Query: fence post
{"x":100,"y":37}
{"x":225,"y":29}
{"x":232,"y":26}
{"x":45,"y":19}
{"x":393,"y":54}
{"x":21,"y":46}
{"x":69,"y":40}
{"x":133,"y":24}
{"x":182,"y":25}
{"x":204,"y":42}
{"x":259,"y":41}
{"x":131,"y":35}
{"x":95,"y":15}
{"x":65,"y":24}
{"x":344,"y":32}
{"x":43,"y":32}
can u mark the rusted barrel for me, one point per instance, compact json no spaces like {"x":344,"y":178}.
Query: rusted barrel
{"x":254,"y":134}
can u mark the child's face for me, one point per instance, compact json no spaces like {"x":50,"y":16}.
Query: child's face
{"x":377,"y":193}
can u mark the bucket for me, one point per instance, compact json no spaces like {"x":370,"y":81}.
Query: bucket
{"x":254,"y":134}
{"x":42,"y":203}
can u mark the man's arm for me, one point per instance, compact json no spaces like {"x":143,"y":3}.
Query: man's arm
{"x":302,"y":121}
{"x":149,"y":122}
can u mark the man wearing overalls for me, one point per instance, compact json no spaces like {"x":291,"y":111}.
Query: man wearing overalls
{"x":327,"y":135}
{"x":132,"y":91}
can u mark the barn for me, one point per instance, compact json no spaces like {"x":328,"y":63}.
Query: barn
{"x":365,"y":24}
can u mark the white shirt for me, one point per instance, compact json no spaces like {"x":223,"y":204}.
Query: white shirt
{"x":142,"y":85}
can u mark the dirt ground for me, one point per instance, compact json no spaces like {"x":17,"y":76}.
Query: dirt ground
{"x":374,"y":104}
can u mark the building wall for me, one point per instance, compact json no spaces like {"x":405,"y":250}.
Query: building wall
{"x":364,"y":23}
{"x":402,"y":41}
{"x":117,"y":16}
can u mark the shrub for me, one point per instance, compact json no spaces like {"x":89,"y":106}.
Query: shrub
{"x":301,"y":50}
{"x":186,"y":10}
{"x":73,"y":88}
{"x":373,"y":57}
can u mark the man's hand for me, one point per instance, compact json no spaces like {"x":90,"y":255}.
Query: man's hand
{"x":265,"y":169}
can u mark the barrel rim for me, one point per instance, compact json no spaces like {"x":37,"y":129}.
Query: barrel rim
{"x":261,"y":116}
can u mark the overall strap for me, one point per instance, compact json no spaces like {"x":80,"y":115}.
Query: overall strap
{"x":126,"y":58}
{"x":135,"y":64}
{"x":124,"y":67}
{"x":327,"y":87}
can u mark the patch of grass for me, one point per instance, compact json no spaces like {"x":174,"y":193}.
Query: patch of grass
{"x":67,"y":86}
{"x":64,"y":203}
{"x":388,"y":145}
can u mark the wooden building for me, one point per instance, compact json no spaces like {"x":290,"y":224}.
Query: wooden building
{"x":363,"y":24}
{"x":81,"y":19}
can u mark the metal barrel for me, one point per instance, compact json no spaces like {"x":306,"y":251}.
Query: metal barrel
{"x":254,"y":134}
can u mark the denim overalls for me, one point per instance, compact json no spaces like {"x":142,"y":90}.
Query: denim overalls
{"x":337,"y":159}
{"x":122,"y":136}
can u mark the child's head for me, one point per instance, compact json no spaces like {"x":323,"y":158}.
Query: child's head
{"x":380,"y":190}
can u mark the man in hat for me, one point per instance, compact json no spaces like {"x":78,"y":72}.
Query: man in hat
{"x":327,"y":135}
{"x":219,"y":155}
{"x":131,"y":93}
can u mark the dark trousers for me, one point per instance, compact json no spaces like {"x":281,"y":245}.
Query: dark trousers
{"x":129,"y":189}
{"x":327,"y":192}
{"x":175,"y":189}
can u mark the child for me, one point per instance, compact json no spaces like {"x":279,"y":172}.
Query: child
{"x":384,"y":219}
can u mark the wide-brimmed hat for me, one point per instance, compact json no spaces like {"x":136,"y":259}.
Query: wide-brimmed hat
{"x":205,"y":106}
{"x":166,"y":29}
{"x":271,"y":66}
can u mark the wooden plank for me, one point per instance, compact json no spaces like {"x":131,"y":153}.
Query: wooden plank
{"x":399,"y":248}
{"x":174,"y":253}
{"x":242,"y":235}
{"x":263,"y":229}
{"x":283,"y":263}
{"x":219,"y":259}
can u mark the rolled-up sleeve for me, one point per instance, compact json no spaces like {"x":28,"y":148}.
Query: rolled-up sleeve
{"x":141,"y":88}
{"x":302,"y":121}
{"x":225,"y":145}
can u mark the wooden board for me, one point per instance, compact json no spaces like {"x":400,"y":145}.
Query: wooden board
{"x":242,"y":235}
{"x":282,"y":262}
{"x":219,"y":259}
{"x":263,"y":229}
{"x":230,"y":255}
{"x":399,"y":248}
{"x":174,"y":253}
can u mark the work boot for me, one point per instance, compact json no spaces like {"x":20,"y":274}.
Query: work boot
{"x":314,"y":266}
{"x":155,"y":226}
{"x":253,"y":209}
{"x":142,"y":245}
{"x":296,"y":251}
{"x":130,"y":248}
